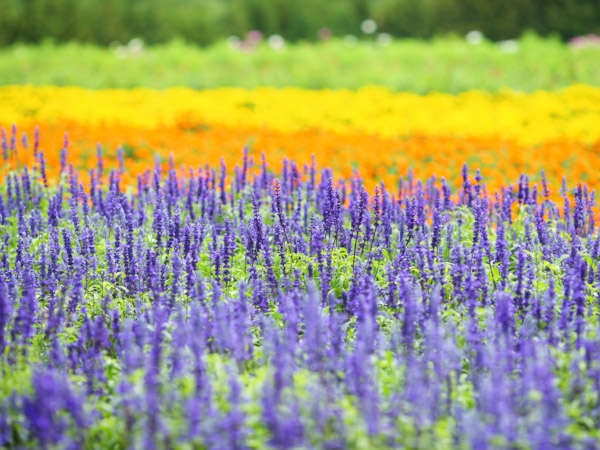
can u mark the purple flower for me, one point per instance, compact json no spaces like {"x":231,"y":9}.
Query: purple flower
{"x":51,"y":395}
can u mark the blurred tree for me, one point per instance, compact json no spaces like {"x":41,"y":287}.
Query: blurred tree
{"x":204,"y":21}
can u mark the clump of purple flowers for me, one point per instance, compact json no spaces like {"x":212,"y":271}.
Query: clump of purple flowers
{"x":290,"y":310}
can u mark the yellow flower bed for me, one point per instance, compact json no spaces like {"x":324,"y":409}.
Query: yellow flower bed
{"x":529,"y":119}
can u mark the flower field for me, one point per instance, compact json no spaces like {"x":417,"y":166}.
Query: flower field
{"x":285,"y":268}
{"x":377,"y":131}
{"x":448,"y":64}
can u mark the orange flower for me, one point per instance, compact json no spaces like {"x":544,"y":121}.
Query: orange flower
{"x":376,"y":158}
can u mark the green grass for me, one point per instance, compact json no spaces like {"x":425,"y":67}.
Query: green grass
{"x":446,"y":65}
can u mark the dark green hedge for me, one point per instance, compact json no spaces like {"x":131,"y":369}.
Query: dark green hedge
{"x":497,"y":19}
{"x":204,"y":21}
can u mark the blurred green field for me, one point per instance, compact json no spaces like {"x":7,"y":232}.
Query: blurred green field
{"x":447,"y":65}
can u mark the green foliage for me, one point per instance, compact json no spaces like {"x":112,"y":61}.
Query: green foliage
{"x":446,"y":65}
{"x":204,"y":21}
{"x":495,"y":18}
{"x":105,"y":21}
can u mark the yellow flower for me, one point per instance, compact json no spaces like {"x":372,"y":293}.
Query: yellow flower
{"x":573,"y":113}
